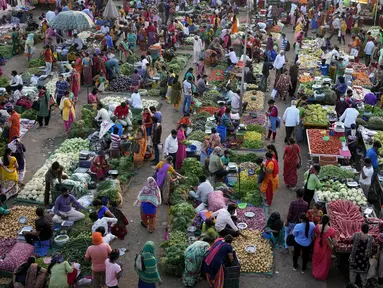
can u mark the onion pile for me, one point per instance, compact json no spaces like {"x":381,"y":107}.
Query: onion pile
{"x":259,"y":262}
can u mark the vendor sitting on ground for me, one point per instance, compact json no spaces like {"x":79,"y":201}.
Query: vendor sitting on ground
{"x":63,"y":208}
{"x":203,"y":190}
{"x":100,"y":166}
{"x":104,"y":222}
{"x":208,"y":229}
{"x":3,"y":205}
{"x":226,"y":121}
{"x":225,"y":223}
{"x":44,"y":228}
{"x":101,"y":210}
{"x":225,"y":159}
{"x":215,"y":164}
{"x":121,"y":112}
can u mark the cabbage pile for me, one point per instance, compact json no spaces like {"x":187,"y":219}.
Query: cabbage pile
{"x":66,"y":155}
{"x":338,"y":191}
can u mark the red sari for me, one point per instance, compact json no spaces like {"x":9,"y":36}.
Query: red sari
{"x":321,"y":260}
{"x":290,"y":161}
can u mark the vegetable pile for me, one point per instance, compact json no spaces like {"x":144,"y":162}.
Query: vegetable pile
{"x":248,"y":119}
{"x":4,"y":82}
{"x":30,"y":114}
{"x":239,"y":157}
{"x":253,"y":140}
{"x":181,"y":216}
{"x":192,"y":168}
{"x":36,"y":62}
{"x":126,"y":69}
{"x":319,"y":146}
{"x":346,"y":219}
{"x":10,"y":226}
{"x":197,"y":135}
{"x":73,"y":145}
{"x":255,"y":128}
{"x":216,"y":76}
{"x":258,"y":222}
{"x":315,"y":114}
{"x":258,"y":103}
{"x":248,"y":189}
{"x":210,"y":98}
{"x":335,"y":171}
{"x":174,"y":261}
{"x":110,"y":189}
{"x":208,"y":109}
{"x":259,"y":262}
{"x":154,"y":92}
{"x":119,"y":84}
{"x":179,"y":195}
{"x":337,"y":190}
{"x":124,"y":166}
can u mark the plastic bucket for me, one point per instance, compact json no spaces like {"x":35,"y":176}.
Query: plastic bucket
{"x":221,"y":130}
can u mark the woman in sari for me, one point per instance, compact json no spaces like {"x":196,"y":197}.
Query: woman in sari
{"x":18,"y":150}
{"x":101,"y":210}
{"x":100,"y":166}
{"x":96,"y":64}
{"x":150,"y":199}
{"x":68,"y":112}
{"x":181,"y":152}
{"x":270,"y":181}
{"x":193,"y":261}
{"x":9,"y":167}
{"x":219,"y":253}
{"x":234,"y":27}
{"x":13,"y":124}
{"x":75,"y":80}
{"x":142,"y":39}
{"x":29,"y":275}
{"x":321,"y":259}
{"x":87,"y":69}
{"x":164,"y":170}
{"x":119,"y":229}
{"x":149,"y":276}
{"x":59,"y":270}
{"x":276,"y":228}
{"x":141,"y":140}
{"x":78,"y":64}
{"x":291,"y":162}
{"x":175,"y":95}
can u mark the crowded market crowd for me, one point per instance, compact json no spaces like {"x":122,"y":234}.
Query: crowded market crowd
{"x":217,"y":168}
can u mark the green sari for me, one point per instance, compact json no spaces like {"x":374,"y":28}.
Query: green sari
{"x":15,"y":43}
{"x":150,"y":274}
{"x":193,"y":261}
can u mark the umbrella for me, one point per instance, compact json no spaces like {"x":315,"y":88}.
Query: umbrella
{"x":111,"y":10}
{"x":72,"y":20}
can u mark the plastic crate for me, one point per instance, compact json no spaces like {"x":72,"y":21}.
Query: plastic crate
{"x":8,"y":285}
{"x":19,"y":109}
{"x":232,"y":274}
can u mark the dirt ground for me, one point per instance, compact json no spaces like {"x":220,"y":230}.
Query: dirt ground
{"x":41,"y":142}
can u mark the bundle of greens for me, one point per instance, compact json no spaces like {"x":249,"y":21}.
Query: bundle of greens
{"x":255,"y":128}
{"x":182,"y":215}
{"x":4,"y":82}
{"x":110,"y":189}
{"x":126,"y":69}
{"x":179,"y":195}
{"x":174,"y":261}
{"x":30,"y":114}
{"x":154,"y":92}
{"x":124,"y":166}
{"x":238,"y":157}
{"x":80,"y":226}
{"x":191,"y":166}
{"x":133,"y":58}
{"x":74,"y":250}
{"x":33,"y":70}
{"x":87,"y":115}
{"x":197,"y":135}
{"x":6,"y":51}
{"x":210,"y":98}
{"x":36,"y":62}
{"x":248,"y":188}
{"x":79,"y":129}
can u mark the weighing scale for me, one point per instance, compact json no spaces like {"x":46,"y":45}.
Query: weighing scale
{"x":85,"y":159}
{"x":20,"y":236}
{"x":338,"y":127}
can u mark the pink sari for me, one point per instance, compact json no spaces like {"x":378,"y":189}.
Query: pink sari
{"x":181,"y":152}
{"x":68,"y":124}
{"x":321,"y":260}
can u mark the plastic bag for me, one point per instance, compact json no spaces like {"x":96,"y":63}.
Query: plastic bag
{"x":274,"y":93}
{"x":372,"y":270}
{"x":86,"y":200}
{"x":354,"y":52}
{"x":81,"y":177}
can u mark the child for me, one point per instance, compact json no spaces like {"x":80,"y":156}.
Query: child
{"x":106,"y":237}
{"x":113,"y":270}
{"x":324,"y":68}
{"x":225,"y":158}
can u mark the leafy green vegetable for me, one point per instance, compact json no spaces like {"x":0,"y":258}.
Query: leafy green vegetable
{"x":87,"y":115}
{"x":133,"y":58}
{"x":335,"y":171}
{"x":256,"y":128}
{"x":124,"y":165}
{"x":126,"y":69}
{"x":36,"y":62}
{"x":4,"y":81}
{"x":154,"y":92}
{"x":174,"y":262}
{"x":197,"y":135}
{"x":191,"y":166}
{"x":239,"y":157}
{"x":30,"y":114}
{"x":110,"y":189}
{"x":253,"y":144}
{"x":182,"y":215}
{"x":179,"y":195}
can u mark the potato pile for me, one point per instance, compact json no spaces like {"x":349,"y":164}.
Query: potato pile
{"x":259,"y":262}
{"x":10,"y":226}
{"x":258,"y":103}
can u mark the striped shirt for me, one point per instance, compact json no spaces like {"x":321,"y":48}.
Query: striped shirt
{"x":116,"y":140}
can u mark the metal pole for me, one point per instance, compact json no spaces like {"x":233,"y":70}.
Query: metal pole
{"x":244,"y":62}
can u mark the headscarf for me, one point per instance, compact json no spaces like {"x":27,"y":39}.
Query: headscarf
{"x":150,"y":274}
{"x":57,"y":258}
{"x":150,"y":193}
{"x":97,"y":238}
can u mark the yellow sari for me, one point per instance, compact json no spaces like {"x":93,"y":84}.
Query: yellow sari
{"x":9,"y":173}
{"x":138,"y":158}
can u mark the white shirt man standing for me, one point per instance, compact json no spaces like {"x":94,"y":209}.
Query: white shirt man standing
{"x":171,"y":145}
{"x":349,"y":117}
{"x":291,"y":119}
{"x":366,"y":175}
{"x":370,"y":45}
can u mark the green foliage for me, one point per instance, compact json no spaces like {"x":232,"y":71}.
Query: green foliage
{"x":197,"y":135}
{"x":110,"y":189}
{"x":179,"y":195}
{"x":335,"y":171}
{"x":87,"y":115}
{"x":243,"y":157}
{"x":174,"y":262}
{"x":182,"y":215}
{"x":256,"y":128}
{"x":36,"y":62}
{"x":124,"y":165}
{"x":4,"y":82}
{"x":30,"y":114}
{"x":192,"y":166}
{"x":126,"y":69}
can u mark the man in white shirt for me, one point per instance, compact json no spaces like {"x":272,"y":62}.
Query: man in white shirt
{"x":278,"y":64}
{"x":104,"y":29}
{"x":171,"y":145}
{"x":366,"y":175}
{"x":291,"y":119}
{"x":336,"y":26}
{"x":144,"y":61}
{"x":203,"y":190}
{"x":233,"y":59}
{"x":102,"y":114}
{"x":187,"y":95}
{"x":186,"y":30}
{"x":15,"y":80}
{"x":370,"y":45}
{"x":349,"y":117}
{"x":135,"y":100}
{"x":224,"y":223}
{"x":235,"y":102}
{"x":303,"y":9}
